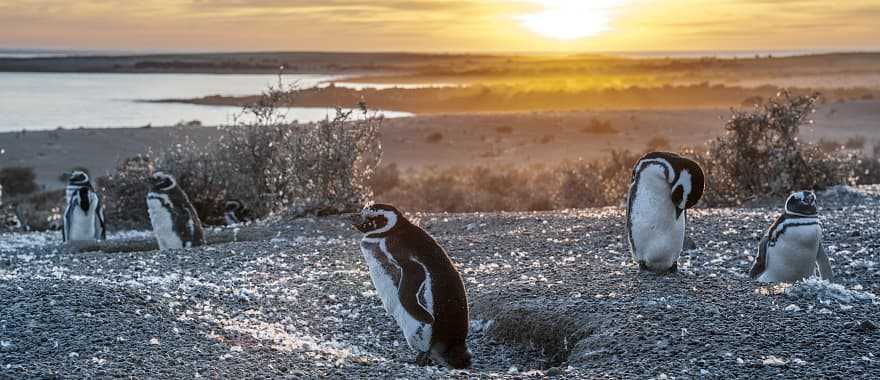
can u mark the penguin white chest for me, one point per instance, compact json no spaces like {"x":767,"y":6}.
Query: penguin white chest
{"x":385,"y":273}
{"x":162,"y":221}
{"x":792,"y":256}
{"x":81,"y":225}
{"x":657,"y":235}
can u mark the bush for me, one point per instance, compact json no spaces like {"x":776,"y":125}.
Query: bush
{"x":434,"y":138}
{"x":17,"y":181}
{"x":124,"y":193}
{"x":657,"y":143}
{"x":272,"y":165}
{"x":599,"y":127}
{"x":855,"y":143}
{"x":759,"y":155}
{"x":537,"y":188}
{"x":506,"y":130}
{"x":201,"y":175}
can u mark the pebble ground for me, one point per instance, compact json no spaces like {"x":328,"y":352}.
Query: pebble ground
{"x":552,"y":295}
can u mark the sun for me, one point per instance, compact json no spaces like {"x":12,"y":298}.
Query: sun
{"x":570,"y":20}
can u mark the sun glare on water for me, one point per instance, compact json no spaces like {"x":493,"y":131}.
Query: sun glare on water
{"x":570,"y":19}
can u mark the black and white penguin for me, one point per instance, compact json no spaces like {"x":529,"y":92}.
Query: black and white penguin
{"x":175,"y":222}
{"x":418,"y":284}
{"x":664,"y":185}
{"x":235,"y":212}
{"x":83,"y":217}
{"x":791,"y":250}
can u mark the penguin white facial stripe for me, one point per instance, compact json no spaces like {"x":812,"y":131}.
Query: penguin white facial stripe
{"x":390,"y":218}
{"x":643,"y":164}
{"x":684,"y":180}
{"x":171,"y":186}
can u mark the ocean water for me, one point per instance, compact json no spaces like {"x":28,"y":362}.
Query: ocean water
{"x":40,"y":101}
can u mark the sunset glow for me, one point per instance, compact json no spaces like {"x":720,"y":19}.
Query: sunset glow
{"x":440,"y":25}
{"x":570,"y":20}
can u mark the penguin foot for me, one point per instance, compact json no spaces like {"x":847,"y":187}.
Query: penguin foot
{"x":644,"y":268}
{"x":423,"y":359}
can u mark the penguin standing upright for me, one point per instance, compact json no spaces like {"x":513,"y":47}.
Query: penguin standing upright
{"x":418,"y":284}
{"x":791,"y":249}
{"x":175,"y":222}
{"x":664,"y":185}
{"x":83,"y":217}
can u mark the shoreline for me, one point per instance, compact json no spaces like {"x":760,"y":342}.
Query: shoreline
{"x":496,"y":99}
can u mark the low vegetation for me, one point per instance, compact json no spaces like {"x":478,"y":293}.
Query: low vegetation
{"x":277,"y":166}
{"x":758,"y":157}
{"x":274,"y":165}
{"x":17,"y":181}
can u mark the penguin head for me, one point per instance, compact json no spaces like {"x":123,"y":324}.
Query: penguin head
{"x":78,"y":178}
{"x":685,"y":176}
{"x":801,"y":203}
{"x":377,"y":219}
{"x":160,"y":181}
{"x":233,"y":205}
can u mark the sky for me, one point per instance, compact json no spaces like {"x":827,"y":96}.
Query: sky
{"x":441,"y":25}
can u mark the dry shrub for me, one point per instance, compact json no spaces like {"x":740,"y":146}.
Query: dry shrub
{"x":657,"y":143}
{"x":537,"y":188}
{"x":598,"y":126}
{"x":829,"y":146}
{"x":759,"y":155}
{"x":855,"y":143}
{"x":124,"y":193}
{"x":272,"y":164}
{"x":40,"y":211}
{"x":17,"y":181}
{"x":434,"y":138}
{"x":201,"y":175}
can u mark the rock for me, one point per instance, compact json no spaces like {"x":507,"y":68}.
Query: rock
{"x":553,"y":371}
{"x":868,"y":326}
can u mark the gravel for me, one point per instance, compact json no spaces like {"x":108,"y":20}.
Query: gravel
{"x":552,"y":295}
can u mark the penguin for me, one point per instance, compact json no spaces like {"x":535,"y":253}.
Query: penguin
{"x":83,"y":217}
{"x":235,"y":212}
{"x":175,"y":222}
{"x":418,"y":284}
{"x":664,"y":185}
{"x":791,"y":249}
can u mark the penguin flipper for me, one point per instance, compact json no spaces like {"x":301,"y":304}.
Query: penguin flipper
{"x":101,"y":231}
{"x":824,"y":264}
{"x":68,"y":214}
{"x":761,"y":261}
{"x":411,"y":281}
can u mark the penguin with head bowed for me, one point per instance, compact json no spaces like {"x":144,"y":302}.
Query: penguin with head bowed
{"x":175,"y":222}
{"x":791,"y":249}
{"x":84,"y":216}
{"x":235,"y":212}
{"x":418,"y":284}
{"x":664,"y":185}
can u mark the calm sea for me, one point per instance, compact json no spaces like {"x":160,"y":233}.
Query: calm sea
{"x":35,"y":101}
